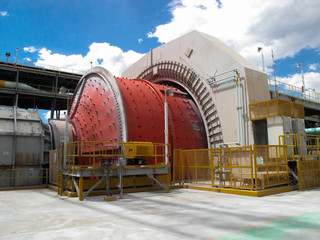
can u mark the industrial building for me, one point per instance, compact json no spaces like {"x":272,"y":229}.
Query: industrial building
{"x":190,"y":113}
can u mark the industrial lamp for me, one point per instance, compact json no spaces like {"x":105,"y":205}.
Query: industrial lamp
{"x":299,"y":65}
{"x":260,"y":49}
{"x":8,"y":54}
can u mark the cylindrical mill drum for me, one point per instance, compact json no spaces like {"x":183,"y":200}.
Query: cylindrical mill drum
{"x":105,"y":108}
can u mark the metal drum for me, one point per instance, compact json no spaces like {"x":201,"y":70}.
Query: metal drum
{"x":105,"y":108}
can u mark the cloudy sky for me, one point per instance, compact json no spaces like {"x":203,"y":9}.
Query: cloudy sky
{"x":75,"y":33}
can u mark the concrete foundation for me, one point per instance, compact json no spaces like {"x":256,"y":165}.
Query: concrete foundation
{"x":180,"y":214}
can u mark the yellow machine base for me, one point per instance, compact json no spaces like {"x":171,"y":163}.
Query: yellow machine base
{"x":23,"y":188}
{"x":251,"y":193}
{"x":110,"y":199}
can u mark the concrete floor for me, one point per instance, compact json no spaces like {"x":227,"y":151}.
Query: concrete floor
{"x":181,"y":214}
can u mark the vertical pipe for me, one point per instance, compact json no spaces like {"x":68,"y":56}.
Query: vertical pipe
{"x":241,"y":114}
{"x":245,"y":100}
{"x":166,"y":135}
{"x":66,"y":135}
{"x":238,"y":113}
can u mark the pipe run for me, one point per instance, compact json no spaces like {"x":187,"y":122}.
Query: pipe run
{"x":313,"y":131}
{"x":226,"y":82}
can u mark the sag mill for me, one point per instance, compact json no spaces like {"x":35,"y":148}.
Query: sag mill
{"x":190,"y":113}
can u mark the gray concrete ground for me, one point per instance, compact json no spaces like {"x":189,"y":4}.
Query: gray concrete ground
{"x":180,"y":214}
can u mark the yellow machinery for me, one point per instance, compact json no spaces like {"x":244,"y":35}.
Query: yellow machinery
{"x":138,"y":149}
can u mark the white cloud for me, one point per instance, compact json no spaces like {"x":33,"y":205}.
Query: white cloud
{"x":311,"y":80}
{"x":30,"y":49}
{"x":111,"y":57}
{"x":286,"y":26}
{"x":27,"y":59}
{"x":140,"y":40}
{"x":47,"y":114}
{"x":314,"y":66}
{"x":4,"y":14}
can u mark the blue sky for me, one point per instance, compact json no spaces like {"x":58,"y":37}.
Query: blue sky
{"x":114,"y":34}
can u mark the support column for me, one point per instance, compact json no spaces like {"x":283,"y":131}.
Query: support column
{"x":54,"y":101}
{"x":80,"y":188}
{"x":60,"y":183}
{"x":168,"y":182}
{"x":15,"y":101}
{"x":53,"y":107}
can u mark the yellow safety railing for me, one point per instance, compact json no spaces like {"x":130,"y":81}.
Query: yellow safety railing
{"x":275,"y":107}
{"x":301,"y":146}
{"x":250,"y":167}
{"x":91,"y":153}
{"x":293,"y":91}
{"x":23,"y":177}
{"x":308,"y":174}
{"x":271,"y":166}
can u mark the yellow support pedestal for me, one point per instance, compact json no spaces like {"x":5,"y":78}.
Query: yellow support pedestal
{"x":110,"y":199}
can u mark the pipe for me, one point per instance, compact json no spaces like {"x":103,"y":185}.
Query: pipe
{"x":232,"y":70}
{"x":246,"y":123}
{"x":166,"y":132}
{"x":19,"y":86}
{"x":313,"y":131}
{"x":238,"y":113}
{"x":241,"y":114}
{"x":227,"y":144}
{"x":236,"y":79}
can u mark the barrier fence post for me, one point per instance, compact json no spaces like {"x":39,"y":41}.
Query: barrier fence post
{"x":196,"y":166}
{"x":168,"y":182}
{"x":47,"y":175}
{"x":81,"y":188}
{"x":251,"y":168}
{"x":212,"y":167}
{"x":19,"y":175}
{"x":299,"y":175}
{"x":255,"y":166}
{"x":174,"y":167}
{"x":230,"y":172}
{"x":277,"y":162}
{"x":181,"y":167}
{"x":267,"y":164}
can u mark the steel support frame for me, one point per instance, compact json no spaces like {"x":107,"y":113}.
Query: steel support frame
{"x":120,"y":172}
